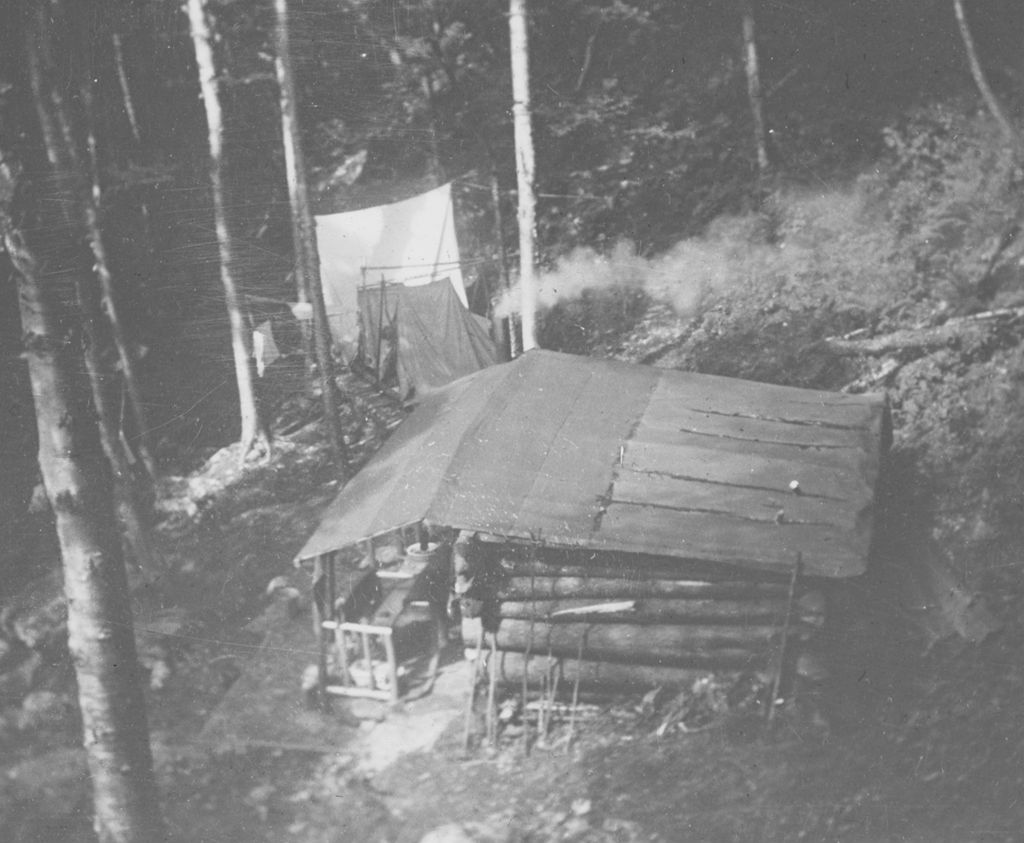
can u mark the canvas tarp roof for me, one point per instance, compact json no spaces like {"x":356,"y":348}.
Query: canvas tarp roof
{"x":431,"y":335}
{"x":611,"y":456}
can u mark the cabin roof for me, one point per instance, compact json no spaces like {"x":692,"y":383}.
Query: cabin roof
{"x":602,"y":455}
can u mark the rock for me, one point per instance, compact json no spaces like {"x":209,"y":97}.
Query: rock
{"x":47,"y":710}
{"x":575,"y":828}
{"x":626,"y":831}
{"x":492,"y":829}
{"x":173,"y":504}
{"x":159,"y":675}
{"x":581,"y":807}
{"x":449,"y":833}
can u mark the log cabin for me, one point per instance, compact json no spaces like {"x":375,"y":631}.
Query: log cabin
{"x":621,"y":525}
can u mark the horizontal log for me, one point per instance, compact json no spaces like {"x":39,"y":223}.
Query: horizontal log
{"x":770,"y":611}
{"x":589,"y":588}
{"x":629,"y":569}
{"x":659,"y":644}
{"x":596,"y":676}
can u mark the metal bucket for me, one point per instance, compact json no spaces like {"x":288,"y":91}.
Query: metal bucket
{"x":417,"y":557}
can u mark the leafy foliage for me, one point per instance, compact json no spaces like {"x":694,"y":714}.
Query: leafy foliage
{"x":951,"y":190}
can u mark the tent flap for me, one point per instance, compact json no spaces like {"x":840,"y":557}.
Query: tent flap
{"x":425,"y":331}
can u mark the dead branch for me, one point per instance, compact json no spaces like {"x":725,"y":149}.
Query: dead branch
{"x":875,"y":378}
{"x":928,"y":339}
{"x":588,"y":57}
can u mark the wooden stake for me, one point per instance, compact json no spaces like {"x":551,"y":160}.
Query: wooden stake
{"x":777,"y":683}
{"x":368,"y":658}
{"x":492,"y":671}
{"x":575,"y":691}
{"x":472,"y":688}
{"x":380,"y":329}
{"x":526,"y":656}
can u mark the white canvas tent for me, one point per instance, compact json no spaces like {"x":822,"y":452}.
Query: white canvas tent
{"x":411,"y":242}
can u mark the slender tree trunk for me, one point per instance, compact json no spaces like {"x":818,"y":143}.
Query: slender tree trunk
{"x":241,"y":339}
{"x":307,"y":258}
{"x":126,"y":88}
{"x":437,"y":173}
{"x":41,"y":98}
{"x":519,"y":44}
{"x":754,"y":90}
{"x":93,"y":287}
{"x":987,"y":94}
{"x":92,"y":203}
{"x":77,"y":480}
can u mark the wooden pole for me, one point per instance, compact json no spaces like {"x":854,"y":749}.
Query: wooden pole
{"x":467,"y":728}
{"x":777,"y":683}
{"x":492,"y":684}
{"x":576,"y":689}
{"x":380,"y":329}
{"x":525,"y":168}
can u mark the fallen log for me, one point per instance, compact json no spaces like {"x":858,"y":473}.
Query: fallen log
{"x":873,"y":379}
{"x":926,"y":339}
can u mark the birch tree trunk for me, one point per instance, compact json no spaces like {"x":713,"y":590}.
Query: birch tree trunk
{"x":94,"y":289}
{"x":525,"y":168}
{"x":987,"y":94}
{"x":77,"y":480}
{"x":241,"y":338}
{"x":753,"y":71}
{"x":307,"y":258}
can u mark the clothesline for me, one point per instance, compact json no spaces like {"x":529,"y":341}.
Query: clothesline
{"x":464,"y":180}
{"x":473,"y":262}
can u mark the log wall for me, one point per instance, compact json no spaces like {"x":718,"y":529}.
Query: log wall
{"x":620,"y":621}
